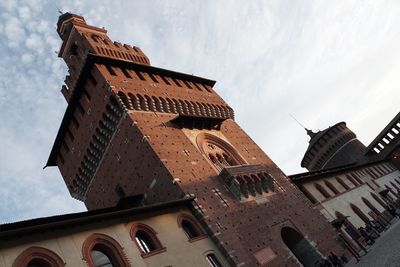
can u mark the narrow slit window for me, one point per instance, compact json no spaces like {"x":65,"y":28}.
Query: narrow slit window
{"x":213,"y":261}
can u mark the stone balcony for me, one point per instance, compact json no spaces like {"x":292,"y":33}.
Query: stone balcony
{"x":247,"y":182}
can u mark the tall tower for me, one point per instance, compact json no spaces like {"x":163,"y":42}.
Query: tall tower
{"x":335,"y":146}
{"x":134,"y":131}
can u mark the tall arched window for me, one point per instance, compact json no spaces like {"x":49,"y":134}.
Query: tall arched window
{"x":100,"y":250}
{"x":218,"y":152}
{"x":374,"y":209}
{"x":357,"y":178}
{"x":332,"y":187}
{"x":101,"y":259}
{"x":391,"y":190}
{"x":351,"y":179}
{"x":322,"y":190}
{"x":342,"y":183}
{"x":190,"y":227}
{"x":379,"y":200}
{"x":38,"y":257}
{"x":213,"y":260}
{"x":359,"y":213}
{"x":146,"y":240}
{"x":395,"y":186}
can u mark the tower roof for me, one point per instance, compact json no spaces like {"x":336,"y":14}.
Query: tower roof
{"x":315,"y":137}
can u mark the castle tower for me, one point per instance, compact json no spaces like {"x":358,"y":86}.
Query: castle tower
{"x":134,"y":131}
{"x":332,"y":147}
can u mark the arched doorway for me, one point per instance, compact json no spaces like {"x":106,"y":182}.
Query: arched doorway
{"x":300,"y":247}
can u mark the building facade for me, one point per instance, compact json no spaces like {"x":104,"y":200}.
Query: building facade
{"x":349,"y":182}
{"x":154,"y":235}
{"x":135,"y":132}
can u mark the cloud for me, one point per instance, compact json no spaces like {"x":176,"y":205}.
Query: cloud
{"x":322,"y":61}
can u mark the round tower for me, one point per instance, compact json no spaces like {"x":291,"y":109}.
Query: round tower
{"x":333,"y":147}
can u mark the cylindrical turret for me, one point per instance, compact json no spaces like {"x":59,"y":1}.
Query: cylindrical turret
{"x":332,"y":147}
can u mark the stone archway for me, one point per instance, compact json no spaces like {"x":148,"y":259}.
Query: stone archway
{"x":300,"y":247}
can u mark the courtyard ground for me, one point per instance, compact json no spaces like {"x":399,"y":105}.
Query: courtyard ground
{"x":385,"y":252}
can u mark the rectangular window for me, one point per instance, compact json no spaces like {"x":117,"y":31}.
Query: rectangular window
{"x":110,"y":70}
{"x":153,"y":78}
{"x":165,"y":80}
{"x":126,"y":73}
{"x":187,"y":84}
{"x":140,"y":75}
{"x":176,"y":82}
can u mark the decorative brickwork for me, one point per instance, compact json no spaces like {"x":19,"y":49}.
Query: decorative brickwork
{"x":176,"y":136}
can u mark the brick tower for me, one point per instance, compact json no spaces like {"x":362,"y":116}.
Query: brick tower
{"x":132,"y":131}
{"x":333,"y":147}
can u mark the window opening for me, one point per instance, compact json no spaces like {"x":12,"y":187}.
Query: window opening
{"x":153,"y":78}
{"x":140,"y":75}
{"x":212,"y":260}
{"x":110,"y":70}
{"x":100,"y":259}
{"x":126,"y":73}
{"x":190,"y":229}
{"x":144,"y":241}
{"x":165,"y":80}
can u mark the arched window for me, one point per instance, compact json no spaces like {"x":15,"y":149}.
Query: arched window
{"x":101,"y":259}
{"x":100,"y":250}
{"x":359,"y":213}
{"x":146,"y":240}
{"x":357,"y":178}
{"x":322,"y":190}
{"x":219,"y":152}
{"x":395,"y":186}
{"x":38,"y":257}
{"x":332,"y":187}
{"x":391,"y":190}
{"x":351,"y":179}
{"x":212,"y":260}
{"x":379,"y":200}
{"x":342,"y":183}
{"x":190,"y":227}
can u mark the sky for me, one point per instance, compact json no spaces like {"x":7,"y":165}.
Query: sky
{"x":322,"y":61}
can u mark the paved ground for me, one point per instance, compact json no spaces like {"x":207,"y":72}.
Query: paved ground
{"x":385,"y":252}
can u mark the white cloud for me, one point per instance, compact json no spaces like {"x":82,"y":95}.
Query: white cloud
{"x":321,"y":61}
{"x":14,"y":32}
{"x":34,"y":42}
{"x":24,"y":13}
{"x":27,"y":58}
